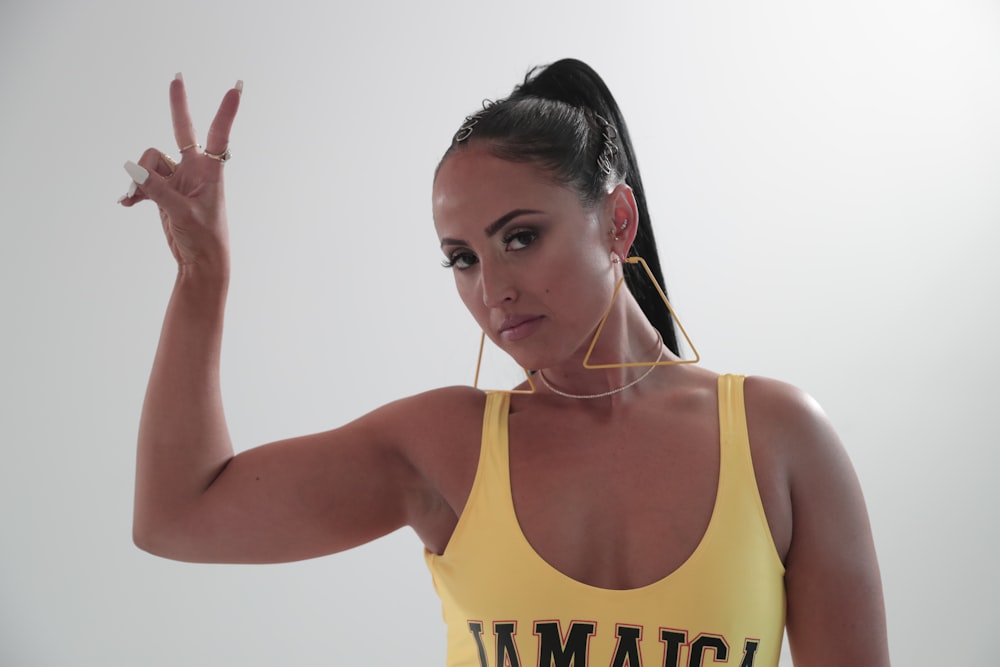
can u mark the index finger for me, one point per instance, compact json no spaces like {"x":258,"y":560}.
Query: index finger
{"x":217,"y":140}
{"x":183,"y":128}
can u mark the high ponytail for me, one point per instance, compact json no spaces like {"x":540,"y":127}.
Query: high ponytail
{"x":564,"y":118}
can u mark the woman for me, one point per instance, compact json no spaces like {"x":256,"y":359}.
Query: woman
{"x":644,"y":511}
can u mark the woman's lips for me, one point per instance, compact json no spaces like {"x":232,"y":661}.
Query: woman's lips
{"x":516,"y":328}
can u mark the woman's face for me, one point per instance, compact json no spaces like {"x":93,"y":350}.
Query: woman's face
{"x":531,"y":263}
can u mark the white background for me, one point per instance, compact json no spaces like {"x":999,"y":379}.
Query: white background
{"x":823,"y":178}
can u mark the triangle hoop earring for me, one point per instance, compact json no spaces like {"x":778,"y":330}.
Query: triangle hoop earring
{"x":479,"y":361}
{"x":600,"y":326}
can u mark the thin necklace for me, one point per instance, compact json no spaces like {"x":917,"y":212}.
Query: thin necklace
{"x":659,"y":342}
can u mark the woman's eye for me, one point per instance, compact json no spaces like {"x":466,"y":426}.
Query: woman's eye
{"x":520,"y":240}
{"x":459,"y":260}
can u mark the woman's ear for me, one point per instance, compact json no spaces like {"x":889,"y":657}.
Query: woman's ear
{"x":623,"y":217}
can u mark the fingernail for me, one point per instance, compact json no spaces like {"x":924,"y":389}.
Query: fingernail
{"x":138,"y":174}
{"x":122,"y":198}
{"x":239,"y":86}
{"x":178,"y":77}
{"x":132,"y":187}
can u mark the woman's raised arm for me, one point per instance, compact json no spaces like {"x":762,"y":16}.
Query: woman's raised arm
{"x":195,"y":500}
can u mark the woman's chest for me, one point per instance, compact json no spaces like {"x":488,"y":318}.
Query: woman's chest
{"x":615,"y":503}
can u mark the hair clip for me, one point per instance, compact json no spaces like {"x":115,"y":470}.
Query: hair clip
{"x":609,"y":154}
{"x":465,"y":131}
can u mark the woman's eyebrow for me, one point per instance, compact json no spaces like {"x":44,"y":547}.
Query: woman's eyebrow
{"x":499,"y":223}
{"x":494,"y":227}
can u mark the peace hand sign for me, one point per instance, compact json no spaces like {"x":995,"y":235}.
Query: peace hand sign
{"x":190,"y":195}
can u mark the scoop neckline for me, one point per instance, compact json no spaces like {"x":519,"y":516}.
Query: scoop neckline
{"x":526,"y":543}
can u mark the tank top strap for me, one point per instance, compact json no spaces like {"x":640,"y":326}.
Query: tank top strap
{"x":494,"y":454}
{"x":738,"y":491}
{"x":732,"y":413}
{"x":491,"y":493}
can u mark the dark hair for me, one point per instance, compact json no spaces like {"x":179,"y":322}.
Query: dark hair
{"x":564,"y":119}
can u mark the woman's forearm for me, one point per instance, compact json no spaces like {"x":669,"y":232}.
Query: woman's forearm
{"x":183,"y":438}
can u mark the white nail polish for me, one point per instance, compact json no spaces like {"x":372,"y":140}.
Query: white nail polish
{"x":138,"y":174}
{"x":239,"y":86}
{"x":178,"y":77}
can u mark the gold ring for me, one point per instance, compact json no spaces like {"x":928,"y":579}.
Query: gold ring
{"x":224,"y":156}
{"x":189,"y":147}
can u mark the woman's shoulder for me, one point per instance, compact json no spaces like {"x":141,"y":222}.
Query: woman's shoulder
{"x":456,"y":395}
{"x":761,"y":391}
{"x":427,"y":426}
{"x":789,"y":426}
{"x":783,"y":410}
{"x":433,"y":411}
{"x":436,"y":431}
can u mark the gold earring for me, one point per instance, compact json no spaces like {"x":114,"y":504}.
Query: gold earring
{"x":479,"y":361}
{"x":600,"y":326}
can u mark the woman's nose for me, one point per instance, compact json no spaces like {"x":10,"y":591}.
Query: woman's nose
{"x":496,"y":284}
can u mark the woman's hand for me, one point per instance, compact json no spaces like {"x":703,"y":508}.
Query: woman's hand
{"x":190,"y":195}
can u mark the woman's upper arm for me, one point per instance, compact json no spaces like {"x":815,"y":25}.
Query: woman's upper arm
{"x":313,"y":495}
{"x":835,"y":614}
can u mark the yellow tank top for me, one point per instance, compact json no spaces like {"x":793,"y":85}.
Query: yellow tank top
{"x":506,"y":607}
